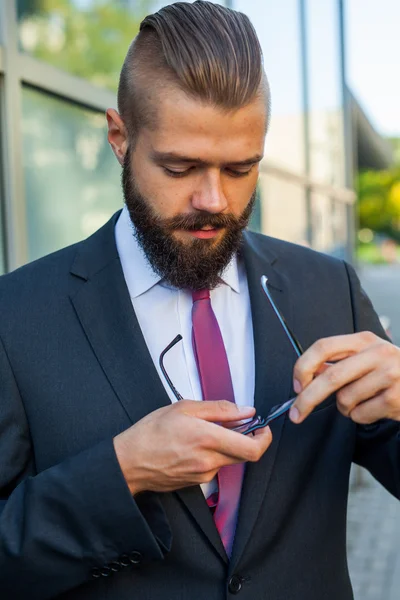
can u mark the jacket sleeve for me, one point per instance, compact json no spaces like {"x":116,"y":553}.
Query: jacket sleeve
{"x":377,"y":445}
{"x":64,"y":526}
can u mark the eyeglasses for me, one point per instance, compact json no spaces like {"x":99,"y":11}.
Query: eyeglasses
{"x":276,"y":411}
{"x":177,"y":339}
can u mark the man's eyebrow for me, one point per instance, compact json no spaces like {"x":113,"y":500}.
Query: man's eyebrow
{"x":173,"y":157}
{"x":249,"y":161}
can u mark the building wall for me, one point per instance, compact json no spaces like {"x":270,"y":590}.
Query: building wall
{"x":59,"y":66}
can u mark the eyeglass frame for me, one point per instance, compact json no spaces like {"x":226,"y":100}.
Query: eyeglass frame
{"x":276,"y":411}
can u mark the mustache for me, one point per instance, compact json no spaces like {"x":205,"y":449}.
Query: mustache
{"x":196,"y":221}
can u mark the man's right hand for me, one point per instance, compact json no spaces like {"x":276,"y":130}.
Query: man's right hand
{"x":182,"y":445}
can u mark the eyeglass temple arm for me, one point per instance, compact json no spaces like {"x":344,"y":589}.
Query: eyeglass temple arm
{"x":177,"y":339}
{"x":290,"y":335}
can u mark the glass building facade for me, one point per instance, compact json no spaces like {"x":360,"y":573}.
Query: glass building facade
{"x":59,"y":68}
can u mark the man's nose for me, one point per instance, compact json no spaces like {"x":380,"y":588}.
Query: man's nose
{"x":209,"y":196}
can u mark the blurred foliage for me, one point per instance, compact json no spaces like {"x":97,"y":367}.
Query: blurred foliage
{"x":395,"y":142}
{"x":379,"y":201}
{"x":370,"y":253}
{"x":88,"y":39}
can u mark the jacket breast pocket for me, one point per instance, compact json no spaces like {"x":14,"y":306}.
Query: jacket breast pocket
{"x":329,"y":402}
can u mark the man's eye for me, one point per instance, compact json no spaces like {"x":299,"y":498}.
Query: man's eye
{"x":172,"y":173}
{"x":235,"y":173}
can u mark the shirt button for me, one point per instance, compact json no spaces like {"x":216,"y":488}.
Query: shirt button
{"x":135,"y":558}
{"x":235,"y":584}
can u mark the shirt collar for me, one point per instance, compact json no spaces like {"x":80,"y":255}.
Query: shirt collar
{"x":138,"y":273}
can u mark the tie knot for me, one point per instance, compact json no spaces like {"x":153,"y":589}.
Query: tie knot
{"x":200,"y":295}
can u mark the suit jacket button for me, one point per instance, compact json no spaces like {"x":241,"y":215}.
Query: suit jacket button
{"x":235,"y":584}
{"x":105,"y":571}
{"x":96,"y":573}
{"x":124,"y":560}
{"x":115,"y":566}
{"x":135,"y":558}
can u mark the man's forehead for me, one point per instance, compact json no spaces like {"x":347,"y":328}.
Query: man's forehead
{"x":177,"y":110}
{"x":197,"y":131}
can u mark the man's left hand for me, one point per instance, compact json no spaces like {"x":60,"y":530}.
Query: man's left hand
{"x":365,"y":374}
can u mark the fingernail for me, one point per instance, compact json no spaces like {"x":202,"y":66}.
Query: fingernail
{"x":245,"y":409}
{"x":297,"y":386}
{"x":294,"y":414}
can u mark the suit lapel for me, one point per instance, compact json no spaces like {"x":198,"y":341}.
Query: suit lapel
{"x":193,"y":499}
{"x":274,"y":360}
{"x":103,"y":306}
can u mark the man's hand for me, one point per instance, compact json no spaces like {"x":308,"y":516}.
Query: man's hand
{"x":366,"y":378}
{"x":182,"y":445}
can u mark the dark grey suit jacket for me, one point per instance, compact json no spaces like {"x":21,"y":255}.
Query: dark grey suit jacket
{"x":75,"y":371}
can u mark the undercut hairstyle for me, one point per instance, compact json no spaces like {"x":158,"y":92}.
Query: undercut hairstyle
{"x":210,"y":52}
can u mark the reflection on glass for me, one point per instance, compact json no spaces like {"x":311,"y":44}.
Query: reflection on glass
{"x":255,"y":223}
{"x":339,"y":224}
{"x":278,"y":27}
{"x":284,"y":212}
{"x":329,"y":224}
{"x":88,"y":38}
{"x":72,"y":179}
{"x":325,"y":92}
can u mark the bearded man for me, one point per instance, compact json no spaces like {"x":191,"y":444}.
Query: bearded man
{"x":127,"y":361}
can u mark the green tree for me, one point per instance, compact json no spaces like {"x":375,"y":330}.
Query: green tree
{"x":379,"y":201}
{"x":90,"y":41}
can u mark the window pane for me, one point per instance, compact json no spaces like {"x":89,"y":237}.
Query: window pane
{"x":2,"y":224}
{"x":72,"y":179}
{"x":339,"y":224}
{"x":278,"y":27}
{"x":329,"y":225}
{"x":284,"y":213}
{"x":255,"y":223}
{"x":88,"y":38}
{"x":325,"y":92}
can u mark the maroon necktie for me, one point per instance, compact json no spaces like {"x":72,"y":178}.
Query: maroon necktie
{"x":216,"y":384}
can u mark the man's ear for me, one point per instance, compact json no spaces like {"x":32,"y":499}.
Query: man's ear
{"x":117,"y":134}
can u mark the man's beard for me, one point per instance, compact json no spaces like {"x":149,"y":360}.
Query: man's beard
{"x":194,"y":265}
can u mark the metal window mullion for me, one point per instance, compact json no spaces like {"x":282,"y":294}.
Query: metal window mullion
{"x":342,"y":194}
{"x":50,"y":79}
{"x":306,"y":117}
{"x":348,"y":136}
{"x":12,"y":151}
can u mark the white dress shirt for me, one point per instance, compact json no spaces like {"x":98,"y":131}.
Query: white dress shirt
{"x":163,"y":312}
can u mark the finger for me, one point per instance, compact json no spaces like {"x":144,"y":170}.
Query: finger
{"x":370,"y":411}
{"x":265,"y":441}
{"x":385,"y":405}
{"x":238,"y":447}
{"x":357,"y":392}
{"x":325,"y":366}
{"x":331,"y":380}
{"x":330,"y":349}
{"x":215,"y":410}
{"x":234,"y":424}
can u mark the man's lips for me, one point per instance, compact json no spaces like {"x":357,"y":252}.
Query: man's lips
{"x":204,"y":234}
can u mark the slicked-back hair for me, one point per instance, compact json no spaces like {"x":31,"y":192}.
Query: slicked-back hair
{"x":210,"y":52}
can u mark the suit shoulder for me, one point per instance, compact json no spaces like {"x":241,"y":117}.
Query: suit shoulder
{"x":291,"y":253}
{"x":44,"y":272}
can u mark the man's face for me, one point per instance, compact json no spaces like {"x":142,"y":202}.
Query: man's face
{"x":189,"y":186}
